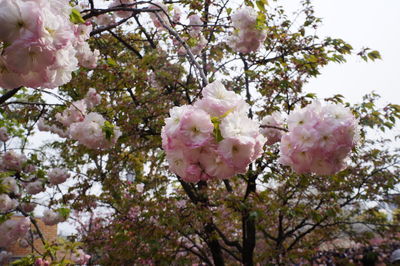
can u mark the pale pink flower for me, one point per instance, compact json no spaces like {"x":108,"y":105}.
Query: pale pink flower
{"x":35,"y":187}
{"x":273,"y":135}
{"x":23,"y":57}
{"x":104,"y":19}
{"x":237,"y":152}
{"x":58,"y":176}
{"x":28,"y":206}
{"x":90,"y":133}
{"x":237,"y":124}
{"x":195,"y":24}
{"x":214,"y":165}
{"x":75,"y":113}
{"x":122,"y":14}
{"x":196,"y":128}
{"x":51,"y":217}
{"x":161,"y":18}
{"x":42,"y":125}
{"x":80,"y":257}
{"x":18,"y":19}
{"x":4,"y":136}
{"x":13,"y":161}
{"x":92,"y":98}
{"x":319,"y":139}
{"x":11,"y":185}
{"x":247,"y":37}
{"x":5,"y":257}
{"x":218,"y":101}
{"x":8,"y":78}
{"x":6,"y":203}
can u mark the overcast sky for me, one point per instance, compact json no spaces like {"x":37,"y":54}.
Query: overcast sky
{"x":362,"y":23}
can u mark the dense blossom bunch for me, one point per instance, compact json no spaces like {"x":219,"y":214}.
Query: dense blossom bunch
{"x":4,"y":136}
{"x":80,"y":257}
{"x":271,"y":128}
{"x":90,"y":132}
{"x":58,"y":176}
{"x":12,"y":230}
{"x":41,"y":47}
{"x":213,"y":138}
{"x":52,"y":217}
{"x":13,"y":161}
{"x":160,"y":17}
{"x":6,"y":203}
{"x":90,"y":129}
{"x":35,"y":187}
{"x":247,"y":37}
{"x":319,"y":138}
{"x":122,"y":14}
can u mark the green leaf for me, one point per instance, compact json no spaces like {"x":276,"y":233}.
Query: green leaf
{"x":108,"y":130}
{"x":64,"y":212}
{"x":261,"y":5}
{"x":75,"y":17}
{"x":374,"y":55}
{"x":111,"y":62}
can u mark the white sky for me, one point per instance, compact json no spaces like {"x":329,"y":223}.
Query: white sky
{"x":362,"y":23}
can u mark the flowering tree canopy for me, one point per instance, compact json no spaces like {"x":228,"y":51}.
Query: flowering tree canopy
{"x":179,"y":132}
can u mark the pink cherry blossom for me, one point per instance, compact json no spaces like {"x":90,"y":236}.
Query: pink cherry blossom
{"x":122,"y":14}
{"x":75,"y":113}
{"x":58,"y":176}
{"x":161,"y":18}
{"x":196,"y":128}
{"x":319,"y":139}
{"x":10,"y":184}
{"x":34,"y":187}
{"x":28,"y":206}
{"x":80,"y":257}
{"x":248,"y":38}
{"x":195,"y":23}
{"x":89,"y":132}
{"x":214,"y":165}
{"x":13,"y":161}
{"x":217,"y":100}
{"x":272,"y":134}
{"x":92,"y":98}
{"x":6,"y":203}
{"x":237,"y":152}
{"x":4,"y":136}
{"x":5,"y":257}
{"x":194,"y":151}
{"x":51,"y":217}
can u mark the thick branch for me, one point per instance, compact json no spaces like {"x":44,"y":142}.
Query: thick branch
{"x":8,"y":95}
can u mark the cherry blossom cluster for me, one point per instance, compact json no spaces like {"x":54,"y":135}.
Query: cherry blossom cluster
{"x":80,"y":257}
{"x":319,"y":138}
{"x":12,"y":230}
{"x":40,"y":46}
{"x":213,"y":138}
{"x":4,"y":136}
{"x":272,"y":128}
{"x":89,"y":129}
{"x":159,"y":17}
{"x":13,"y":162}
{"x":52,"y":217}
{"x":122,"y":14}
{"x":58,"y":176}
{"x":247,"y":37}
{"x":195,"y":26}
